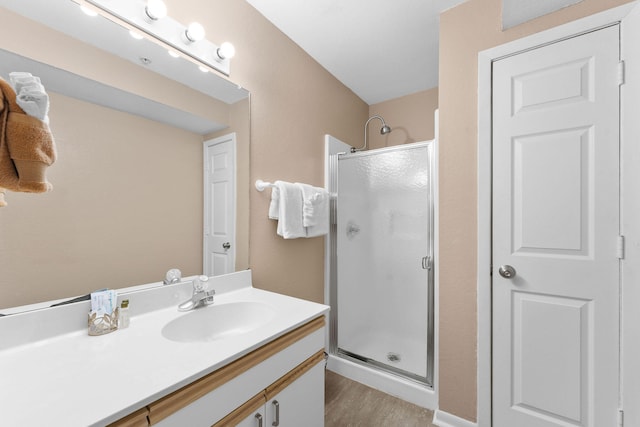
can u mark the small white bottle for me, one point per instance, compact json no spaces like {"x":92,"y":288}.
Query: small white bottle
{"x":123,"y":318}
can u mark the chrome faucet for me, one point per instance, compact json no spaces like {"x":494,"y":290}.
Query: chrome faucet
{"x":200,"y":296}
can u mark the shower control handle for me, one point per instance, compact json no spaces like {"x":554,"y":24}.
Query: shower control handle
{"x":507,"y":271}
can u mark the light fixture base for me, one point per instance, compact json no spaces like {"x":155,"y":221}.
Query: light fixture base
{"x":166,"y":31}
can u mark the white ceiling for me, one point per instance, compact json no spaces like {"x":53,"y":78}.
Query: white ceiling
{"x":380,"y":49}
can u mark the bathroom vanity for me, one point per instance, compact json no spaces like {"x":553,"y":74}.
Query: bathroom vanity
{"x":253,"y":358}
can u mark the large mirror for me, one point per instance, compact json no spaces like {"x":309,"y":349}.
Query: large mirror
{"x":131,"y":136}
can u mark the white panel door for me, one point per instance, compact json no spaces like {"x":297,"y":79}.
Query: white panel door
{"x":556,"y":222}
{"x":219,"y":205}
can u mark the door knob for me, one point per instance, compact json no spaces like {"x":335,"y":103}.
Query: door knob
{"x":226,"y":245}
{"x":507,"y":271}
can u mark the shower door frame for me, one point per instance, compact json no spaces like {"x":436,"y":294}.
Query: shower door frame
{"x":331,"y":297}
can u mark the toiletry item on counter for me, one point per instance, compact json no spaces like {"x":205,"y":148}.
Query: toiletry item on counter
{"x":103,"y":317}
{"x":123,"y":320}
{"x":103,"y":302}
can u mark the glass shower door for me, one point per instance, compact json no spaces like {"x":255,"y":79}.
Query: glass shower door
{"x":384,"y":257}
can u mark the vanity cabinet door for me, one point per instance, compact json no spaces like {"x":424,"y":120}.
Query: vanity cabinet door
{"x":256,"y":419}
{"x":297,"y":399}
{"x":250,"y":414}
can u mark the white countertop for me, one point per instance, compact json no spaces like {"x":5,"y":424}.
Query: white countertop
{"x":72,"y":379}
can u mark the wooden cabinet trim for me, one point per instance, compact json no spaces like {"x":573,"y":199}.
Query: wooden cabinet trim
{"x":243,"y":411}
{"x":293,"y":375}
{"x":136,"y":419}
{"x":177,"y":400}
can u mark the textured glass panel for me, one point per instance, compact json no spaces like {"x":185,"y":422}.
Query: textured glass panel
{"x":383,"y":233}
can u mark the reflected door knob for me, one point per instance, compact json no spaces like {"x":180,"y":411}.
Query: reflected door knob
{"x":507,"y":271}
{"x":226,"y":245}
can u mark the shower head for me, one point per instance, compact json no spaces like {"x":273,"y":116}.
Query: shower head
{"x":385,"y":129}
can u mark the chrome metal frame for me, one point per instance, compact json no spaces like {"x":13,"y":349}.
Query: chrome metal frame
{"x":333,"y":270}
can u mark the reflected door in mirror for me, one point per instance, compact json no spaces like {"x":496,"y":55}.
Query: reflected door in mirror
{"x":219,"y":207}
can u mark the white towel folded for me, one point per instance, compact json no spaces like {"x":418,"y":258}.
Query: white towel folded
{"x":31,"y":96}
{"x":274,"y":206}
{"x":315,"y":210}
{"x":34,"y":102}
{"x":19,"y":79}
{"x":290,"y":211}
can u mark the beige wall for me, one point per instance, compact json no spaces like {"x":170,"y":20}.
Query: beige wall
{"x":464,"y":31}
{"x":294,"y":103}
{"x":411,"y":117}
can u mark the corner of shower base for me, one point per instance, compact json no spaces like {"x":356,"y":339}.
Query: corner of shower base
{"x":407,"y":390}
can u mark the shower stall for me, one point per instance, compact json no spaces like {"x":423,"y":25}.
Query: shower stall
{"x":381,"y":267}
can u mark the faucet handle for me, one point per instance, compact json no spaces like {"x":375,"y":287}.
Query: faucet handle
{"x":199,"y":283}
{"x":173,"y":276}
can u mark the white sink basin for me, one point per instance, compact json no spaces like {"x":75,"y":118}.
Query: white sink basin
{"x":218,"y":321}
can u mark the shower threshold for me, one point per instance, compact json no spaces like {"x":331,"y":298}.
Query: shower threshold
{"x":383,"y":366}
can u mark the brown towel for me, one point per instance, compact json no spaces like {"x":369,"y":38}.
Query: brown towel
{"x":27,"y":148}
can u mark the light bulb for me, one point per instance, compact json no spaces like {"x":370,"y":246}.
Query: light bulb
{"x":87,"y":11}
{"x":136,"y":35}
{"x":194,"y":32}
{"x":155,"y":9}
{"x":226,"y":51}
{"x":173,"y":54}
{"x":203,"y":69}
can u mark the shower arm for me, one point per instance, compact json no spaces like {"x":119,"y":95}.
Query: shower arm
{"x":353,"y":149}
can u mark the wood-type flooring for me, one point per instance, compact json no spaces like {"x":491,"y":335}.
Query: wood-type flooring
{"x":351,"y":404}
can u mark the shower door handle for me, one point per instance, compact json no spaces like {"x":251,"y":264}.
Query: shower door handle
{"x":426,"y":263}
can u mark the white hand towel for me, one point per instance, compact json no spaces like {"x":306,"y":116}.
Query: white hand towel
{"x":274,"y":206}
{"x":315,"y":210}
{"x":290,"y":211}
{"x":34,"y":102}
{"x":19,"y":79}
{"x":31,"y":96}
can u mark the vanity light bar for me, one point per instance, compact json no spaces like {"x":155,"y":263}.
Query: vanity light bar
{"x":167,"y":30}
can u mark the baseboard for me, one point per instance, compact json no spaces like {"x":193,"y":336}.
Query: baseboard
{"x":444,"y":419}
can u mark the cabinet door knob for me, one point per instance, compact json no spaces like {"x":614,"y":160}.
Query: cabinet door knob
{"x":226,"y":245}
{"x":259,"y":418}
{"x":276,"y":423}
